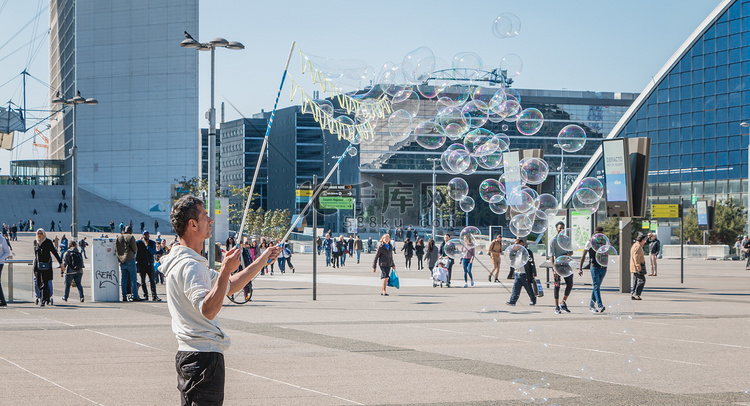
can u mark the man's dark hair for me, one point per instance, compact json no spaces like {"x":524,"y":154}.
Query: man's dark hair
{"x":640,"y":238}
{"x":186,"y":208}
{"x":128,"y":230}
{"x":599,"y":229}
{"x":559,"y":223}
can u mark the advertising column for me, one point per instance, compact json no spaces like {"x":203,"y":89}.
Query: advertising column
{"x":105,"y":271}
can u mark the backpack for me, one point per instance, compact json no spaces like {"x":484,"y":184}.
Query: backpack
{"x":75,"y":261}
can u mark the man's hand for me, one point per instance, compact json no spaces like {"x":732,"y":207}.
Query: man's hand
{"x":373,"y":269}
{"x":231,"y":260}
{"x":270,"y":254}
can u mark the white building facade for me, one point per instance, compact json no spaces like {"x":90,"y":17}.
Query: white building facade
{"x":144,"y":132}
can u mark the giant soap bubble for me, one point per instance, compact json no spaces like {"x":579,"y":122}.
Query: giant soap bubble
{"x":593,"y":184}
{"x":466,"y":204}
{"x":512,"y":64}
{"x":489,"y":188}
{"x":453,"y":121}
{"x":399,"y":125}
{"x":454,"y":248}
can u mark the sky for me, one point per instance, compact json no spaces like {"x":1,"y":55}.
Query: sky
{"x":612,"y":45}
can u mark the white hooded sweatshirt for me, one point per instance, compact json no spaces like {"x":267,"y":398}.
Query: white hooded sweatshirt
{"x":188,"y":282}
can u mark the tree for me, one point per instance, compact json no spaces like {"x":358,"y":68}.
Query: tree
{"x":730,"y":221}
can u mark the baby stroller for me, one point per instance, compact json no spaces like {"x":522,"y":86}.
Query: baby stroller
{"x":440,"y":273}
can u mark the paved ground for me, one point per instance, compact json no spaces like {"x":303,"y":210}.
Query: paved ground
{"x":686,"y":344}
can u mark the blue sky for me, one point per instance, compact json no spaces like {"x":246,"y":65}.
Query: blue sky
{"x":565,"y":44}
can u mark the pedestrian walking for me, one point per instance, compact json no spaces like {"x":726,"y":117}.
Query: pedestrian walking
{"x":195,"y":294}
{"x":638,"y":267}
{"x":419,"y":252}
{"x":72,"y":271}
{"x":4,"y":253}
{"x":52,"y":226}
{"x":328,"y":248}
{"x":408,"y":249}
{"x":63,"y":245}
{"x":449,"y":260}
{"x":598,"y":271}
{"x":384,"y":259}
{"x":358,"y":246}
{"x":44,"y":250}
{"x":343,"y":250}
{"x":432,"y":255}
{"x":557,"y":251}
{"x":524,"y":278}
{"x":467,"y":260}
{"x":144,"y":258}
{"x":33,"y":193}
{"x":495,"y":252}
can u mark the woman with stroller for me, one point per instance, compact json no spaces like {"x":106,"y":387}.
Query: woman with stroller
{"x":419,"y":249}
{"x":384,"y":259}
{"x":43,"y":252}
{"x":432,"y":255}
{"x":408,"y":249}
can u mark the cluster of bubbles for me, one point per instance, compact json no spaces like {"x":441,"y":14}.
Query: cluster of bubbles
{"x":531,"y":393}
{"x":572,"y":239}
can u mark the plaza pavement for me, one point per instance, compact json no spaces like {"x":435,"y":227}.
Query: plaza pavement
{"x":686,"y":344}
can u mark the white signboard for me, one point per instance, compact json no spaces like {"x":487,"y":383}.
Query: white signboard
{"x":105,"y":271}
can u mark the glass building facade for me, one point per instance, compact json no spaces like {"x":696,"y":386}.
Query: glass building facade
{"x":692,"y":113}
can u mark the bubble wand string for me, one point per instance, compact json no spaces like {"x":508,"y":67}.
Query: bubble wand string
{"x":263,"y":149}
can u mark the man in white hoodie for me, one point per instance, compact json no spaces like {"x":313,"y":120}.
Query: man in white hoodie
{"x":195,"y":295}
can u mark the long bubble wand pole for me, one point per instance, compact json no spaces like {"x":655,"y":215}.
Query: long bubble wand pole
{"x":263,"y":149}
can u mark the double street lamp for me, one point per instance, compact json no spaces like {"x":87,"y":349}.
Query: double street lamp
{"x":75,"y":101}
{"x":746,"y":124}
{"x":190,"y":42}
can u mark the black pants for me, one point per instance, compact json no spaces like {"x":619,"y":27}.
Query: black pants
{"x":568,"y":285}
{"x":639,"y":282}
{"x":2,"y":296}
{"x":200,"y":377}
{"x":408,"y":262}
{"x":42,"y":282}
{"x":144,"y":270}
{"x":420,"y":265}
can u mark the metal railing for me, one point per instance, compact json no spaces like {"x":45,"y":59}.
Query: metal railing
{"x":10,"y":263}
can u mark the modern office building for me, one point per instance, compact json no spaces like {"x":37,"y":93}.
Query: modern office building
{"x":692,"y":112}
{"x":401,"y":173}
{"x":144,"y":132}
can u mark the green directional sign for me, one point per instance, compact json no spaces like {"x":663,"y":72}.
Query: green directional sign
{"x":335,"y":203}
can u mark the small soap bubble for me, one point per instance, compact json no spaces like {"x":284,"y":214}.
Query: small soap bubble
{"x":498,"y":205}
{"x":621,"y":310}
{"x":512,"y":64}
{"x":634,"y":364}
{"x":518,"y":256}
{"x":470,"y":236}
{"x":352,"y":151}
{"x":539,"y":336}
{"x":564,"y":266}
{"x":504,"y":127}
{"x":458,"y":188}
{"x":571,"y":138}
{"x":506,"y":25}
{"x":466,"y":204}
{"x":529,"y":121}
{"x":536,"y":395}
{"x":599,"y":240}
{"x":587,"y":373}
{"x":489,"y":314}
{"x":429,"y":135}
{"x":489,"y":188}
{"x":454,"y":248}
{"x":534,"y":170}
{"x":593,"y":184}
{"x":605,"y":255}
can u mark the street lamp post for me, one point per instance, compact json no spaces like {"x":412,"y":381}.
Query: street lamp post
{"x":434,"y":193}
{"x":562,"y":174}
{"x":746,"y":124}
{"x":190,"y":42}
{"x":75,"y":101}
{"x":338,"y":182}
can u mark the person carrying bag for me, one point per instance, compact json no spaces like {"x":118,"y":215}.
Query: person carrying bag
{"x":638,"y":267}
{"x":44,"y":249}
